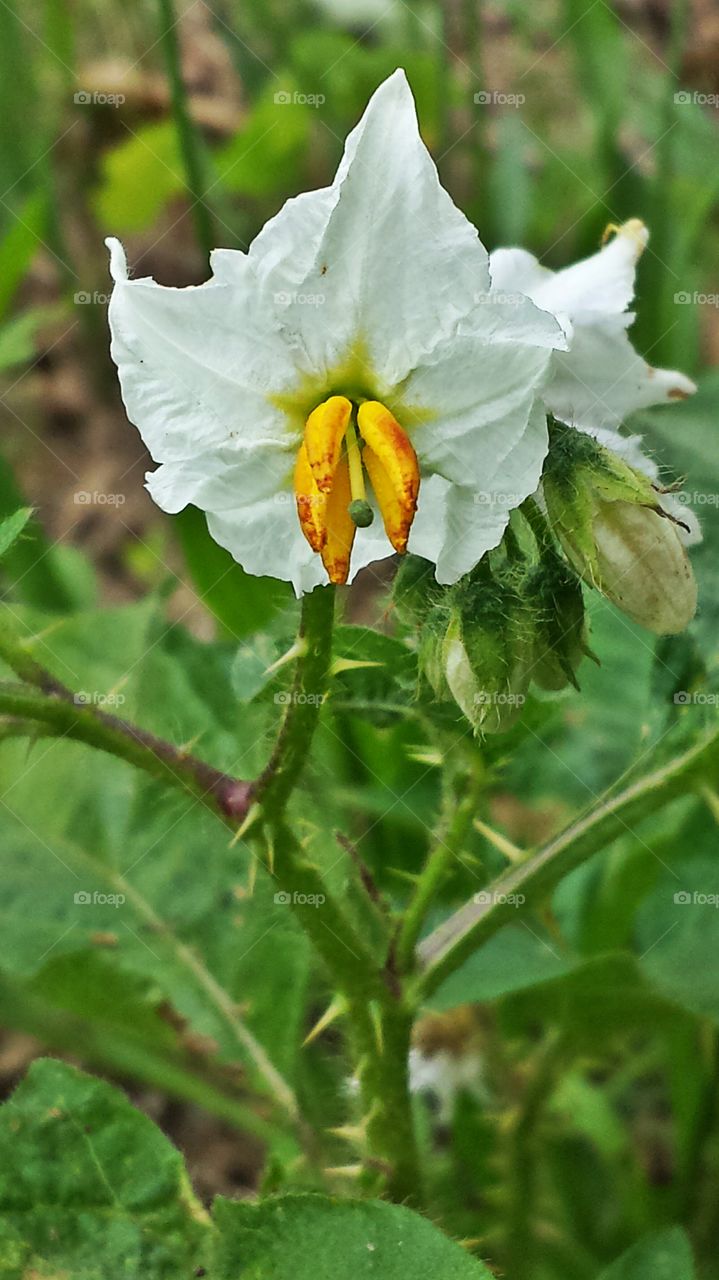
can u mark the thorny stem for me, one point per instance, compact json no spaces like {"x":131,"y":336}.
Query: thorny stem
{"x":449,"y":945}
{"x":455,"y":822}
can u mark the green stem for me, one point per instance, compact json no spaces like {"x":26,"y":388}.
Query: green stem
{"x":455,"y":822}
{"x":523,"y":1153}
{"x":449,"y":945}
{"x":381,"y":1035}
{"x":305,"y":699}
{"x":190,"y":146}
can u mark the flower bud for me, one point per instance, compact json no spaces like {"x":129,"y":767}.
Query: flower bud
{"x":643,"y":568}
{"x":554,"y":594}
{"x":614,"y":532}
{"x":487,"y":653}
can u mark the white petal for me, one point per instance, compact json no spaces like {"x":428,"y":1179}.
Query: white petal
{"x":196,"y":364}
{"x":395,"y":261}
{"x":472,"y":401}
{"x":600,"y":285}
{"x":456,"y":525}
{"x":602,"y":380}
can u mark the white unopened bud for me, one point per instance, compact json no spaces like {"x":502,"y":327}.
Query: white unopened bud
{"x":641,"y":565}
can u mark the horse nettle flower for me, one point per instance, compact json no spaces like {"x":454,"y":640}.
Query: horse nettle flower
{"x":599,"y":380}
{"x":613,"y":529}
{"x":337,"y":393}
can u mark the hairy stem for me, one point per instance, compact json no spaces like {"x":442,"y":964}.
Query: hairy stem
{"x":450,"y":944}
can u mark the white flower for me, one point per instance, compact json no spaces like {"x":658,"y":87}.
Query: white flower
{"x":600,"y":380}
{"x":354,"y":313}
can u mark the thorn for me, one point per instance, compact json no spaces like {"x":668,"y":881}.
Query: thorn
{"x":250,"y":819}
{"x":337,"y":1009}
{"x":351,"y":664}
{"x":375,"y":1014}
{"x":424,"y":755}
{"x":711,"y":799}
{"x":353,"y":1133}
{"x":252,"y":875}
{"x":511,"y":851}
{"x":270,"y":855}
{"x":409,"y":876}
{"x":297,"y":650}
{"x":345,"y":1171}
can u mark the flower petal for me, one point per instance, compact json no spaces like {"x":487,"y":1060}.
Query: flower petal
{"x":394,"y":261}
{"x":602,"y":380}
{"x":196,"y":364}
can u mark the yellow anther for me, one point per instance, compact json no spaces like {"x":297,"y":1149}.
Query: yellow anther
{"x":324,"y":432}
{"x":329,"y":479}
{"x":393,"y":469}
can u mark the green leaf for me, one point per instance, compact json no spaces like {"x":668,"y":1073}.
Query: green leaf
{"x":138,"y":178}
{"x":307,"y":1237}
{"x":11,"y":528}
{"x":17,"y":336}
{"x":664,"y":1256}
{"x":89,"y":1187}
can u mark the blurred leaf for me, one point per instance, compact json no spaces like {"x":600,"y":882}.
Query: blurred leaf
{"x":18,"y":336}
{"x":305,"y":1237}
{"x":138,"y":178}
{"x":11,"y":527}
{"x":89,"y":1187}
{"x":19,"y":245}
{"x":678,"y":934}
{"x":515,"y":959}
{"x":664,"y":1256}
{"x":43,"y":574}
{"x":265,"y":153}
{"x":241,"y":603}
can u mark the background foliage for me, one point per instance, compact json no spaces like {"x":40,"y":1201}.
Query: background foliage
{"x":591,"y":1148}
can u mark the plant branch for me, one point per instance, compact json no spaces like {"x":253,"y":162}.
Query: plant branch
{"x":449,"y":945}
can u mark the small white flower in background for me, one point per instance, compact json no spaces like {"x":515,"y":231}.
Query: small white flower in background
{"x":600,"y":380}
{"x":346,"y":346}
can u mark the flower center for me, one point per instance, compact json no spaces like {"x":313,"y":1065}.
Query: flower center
{"x":330,"y":479}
